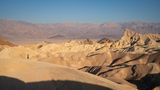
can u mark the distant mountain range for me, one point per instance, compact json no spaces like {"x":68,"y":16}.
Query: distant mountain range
{"x":23,"y":30}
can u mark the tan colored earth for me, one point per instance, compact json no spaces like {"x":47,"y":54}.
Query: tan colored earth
{"x":132,"y":62}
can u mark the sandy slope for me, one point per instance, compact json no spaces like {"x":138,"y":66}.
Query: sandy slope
{"x":32,"y":72}
{"x":72,"y":54}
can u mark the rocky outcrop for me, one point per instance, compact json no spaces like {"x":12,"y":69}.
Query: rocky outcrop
{"x":131,"y":38}
{"x":136,"y":57}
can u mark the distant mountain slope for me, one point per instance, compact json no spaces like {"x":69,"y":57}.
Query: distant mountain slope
{"x":5,"y":42}
{"x":23,"y":30}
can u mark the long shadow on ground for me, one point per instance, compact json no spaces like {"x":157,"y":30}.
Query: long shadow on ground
{"x":8,"y":83}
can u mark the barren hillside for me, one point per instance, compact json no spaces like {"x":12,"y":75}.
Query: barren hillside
{"x":133,"y":61}
{"x":23,"y":31}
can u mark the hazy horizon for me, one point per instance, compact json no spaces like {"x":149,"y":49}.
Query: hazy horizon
{"x":72,"y":22}
{"x":80,"y":11}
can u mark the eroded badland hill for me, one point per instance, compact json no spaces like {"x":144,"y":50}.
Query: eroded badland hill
{"x":130,"y":63}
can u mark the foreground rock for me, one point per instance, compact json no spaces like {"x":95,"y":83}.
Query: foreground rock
{"x":32,"y":75}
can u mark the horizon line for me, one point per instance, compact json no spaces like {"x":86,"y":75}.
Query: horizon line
{"x":74,"y":22}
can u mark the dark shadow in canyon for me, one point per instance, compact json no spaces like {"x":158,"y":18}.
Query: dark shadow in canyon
{"x":149,"y":82}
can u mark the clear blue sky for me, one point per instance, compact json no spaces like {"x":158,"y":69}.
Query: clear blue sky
{"x":96,"y":11}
